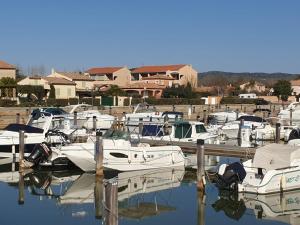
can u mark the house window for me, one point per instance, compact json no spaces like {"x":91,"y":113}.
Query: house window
{"x":69,"y":91}
{"x":83,"y":84}
{"x":57,"y":91}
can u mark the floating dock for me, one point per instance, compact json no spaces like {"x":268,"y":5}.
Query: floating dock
{"x":210,"y":149}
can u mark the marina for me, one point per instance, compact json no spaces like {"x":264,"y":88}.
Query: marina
{"x":77,"y":181}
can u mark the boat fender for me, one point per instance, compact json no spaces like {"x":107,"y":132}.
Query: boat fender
{"x":222,"y":169}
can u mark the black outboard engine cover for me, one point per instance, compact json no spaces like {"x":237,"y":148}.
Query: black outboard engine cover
{"x":233,"y":174}
{"x":295,"y":134}
{"x":41,"y":152}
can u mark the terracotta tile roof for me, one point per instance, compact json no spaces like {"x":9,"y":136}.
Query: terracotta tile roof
{"x":142,"y":85}
{"x":75,"y":76}
{"x":57,"y":80}
{"x":158,"y":77}
{"x":157,"y":69}
{"x":103,"y":70}
{"x":295,"y":82}
{"x":5,"y":65}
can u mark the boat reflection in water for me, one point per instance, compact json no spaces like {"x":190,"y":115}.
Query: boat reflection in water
{"x":284,"y":207}
{"x":123,"y":196}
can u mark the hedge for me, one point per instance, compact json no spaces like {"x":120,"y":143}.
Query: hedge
{"x":166,"y":101}
{"x":238,"y":100}
{"x":7,"y":103}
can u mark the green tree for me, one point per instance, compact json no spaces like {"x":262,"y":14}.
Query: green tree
{"x":282,"y":89}
{"x":115,"y":90}
{"x":8,"y":81}
{"x":52,"y":91}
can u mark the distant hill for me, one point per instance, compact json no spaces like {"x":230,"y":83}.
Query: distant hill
{"x":211,"y":78}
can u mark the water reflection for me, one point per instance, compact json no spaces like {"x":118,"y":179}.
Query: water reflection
{"x":121,"y":196}
{"x":284,"y":207}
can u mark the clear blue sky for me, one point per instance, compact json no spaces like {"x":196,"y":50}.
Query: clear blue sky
{"x":228,"y":35}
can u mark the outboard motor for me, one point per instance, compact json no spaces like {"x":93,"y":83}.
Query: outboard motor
{"x":230,"y":175}
{"x":40,"y":153}
{"x":294,"y":134}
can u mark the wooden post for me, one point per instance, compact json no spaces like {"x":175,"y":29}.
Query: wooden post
{"x":204,"y":116}
{"x":201,"y":208}
{"x":173,"y":108}
{"x":21,"y":148}
{"x":200,"y":165}
{"x":240,"y":129}
{"x":75,"y":118}
{"x":110,"y":111}
{"x":291,"y":117}
{"x":98,"y":195}
{"x":18,"y":118}
{"x":236,"y":114}
{"x":198,"y":118}
{"x":277,"y":133}
{"x":111,"y":202}
{"x":99,"y":154}
{"x":140,"y":126}
{"x":94,"y":123}
{"x":194,"y":109}
{"x":244,"y":109}
{"x":21,"y":188}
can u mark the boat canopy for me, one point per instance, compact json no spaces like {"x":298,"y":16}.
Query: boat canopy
{"x":275,"y":156}
{"x":183,"y":129}
{"x":27,"y":129}
{"x":252,"y":119}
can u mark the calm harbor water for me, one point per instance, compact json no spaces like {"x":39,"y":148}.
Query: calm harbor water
{"x":149,"y":197}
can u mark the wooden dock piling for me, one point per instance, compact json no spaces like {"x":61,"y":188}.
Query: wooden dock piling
{"x":21,"y":149}
{"x":291,"y":117}
{"x":21,"y":188}
{"x":75,"y":118}
{"x":277,"y":135}
{"x":18,"y":118}
{"x":111,"y":202}
{"x":98,"y":197}
{"x":99,"y":154}
{"x":200,"y":165}
{"x":94,"y":123}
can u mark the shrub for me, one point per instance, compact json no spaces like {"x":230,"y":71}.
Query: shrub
{"x":57,"y":102}
{"x":7,"y":103}
{"x":73,"y":101}
{"x":237,"y":100}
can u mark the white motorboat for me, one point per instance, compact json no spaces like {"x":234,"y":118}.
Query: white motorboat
{"x":231,"y":130}
{"x":119,"y":154}
{"x":220,"y":118}
{"x":144,"y":113}
{"x":183,"y":131}
{"x":293,"y":110}
{"x":274,"y":168}
{"x":85,"y":114}
{"x":35,"y":132}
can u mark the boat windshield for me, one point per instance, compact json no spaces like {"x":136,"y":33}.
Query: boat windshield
{"x":78,"y":108}
{"x":116,"y":134}
{"x":142,"y":108}
{"x":183,"y":130}
{"x":200,"y":129}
